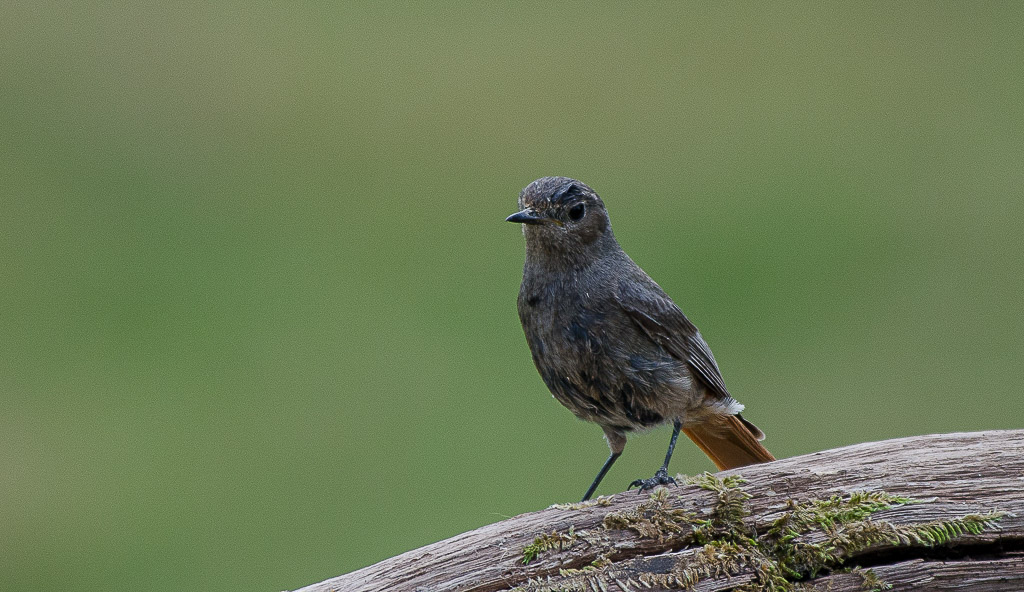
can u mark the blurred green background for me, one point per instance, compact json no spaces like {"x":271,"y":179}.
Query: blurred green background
{"x":257,"y":297}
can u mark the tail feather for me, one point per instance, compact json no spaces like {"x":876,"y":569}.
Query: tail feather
{"x":730,"y":443}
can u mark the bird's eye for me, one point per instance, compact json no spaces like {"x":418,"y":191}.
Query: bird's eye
{"x":577,"y":211}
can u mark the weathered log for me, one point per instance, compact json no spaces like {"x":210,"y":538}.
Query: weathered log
{"x":963,"y":530}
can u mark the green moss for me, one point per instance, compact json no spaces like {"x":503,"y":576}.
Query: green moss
{"x":730,"y":508}
{"x":833,"y":511}
{"x":870,"y":582}
{"x":547,"y":542}
{"x":599,"y":501}
{"x":654,"y":518}
{"x":808,"y":538}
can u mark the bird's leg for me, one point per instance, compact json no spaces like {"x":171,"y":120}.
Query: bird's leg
{"x":617,"y":443}
{"x":661,"y":477}
{"x":604,"y":469}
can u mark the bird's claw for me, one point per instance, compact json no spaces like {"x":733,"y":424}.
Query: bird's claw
{"x":659,"y":478}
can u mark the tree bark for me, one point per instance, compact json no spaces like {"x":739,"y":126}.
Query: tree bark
{"x":950,"y":476}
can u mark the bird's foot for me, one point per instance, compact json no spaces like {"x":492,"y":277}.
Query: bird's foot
{"x":659,"y":478}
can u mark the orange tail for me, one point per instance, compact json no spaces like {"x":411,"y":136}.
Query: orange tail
{"x":732,"y":443}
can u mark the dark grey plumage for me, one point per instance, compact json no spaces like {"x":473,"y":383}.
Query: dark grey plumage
{"x":608,"y":342}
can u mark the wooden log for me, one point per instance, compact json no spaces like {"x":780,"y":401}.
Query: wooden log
{"x":969,"y":486}
{"x":1004,"y":573}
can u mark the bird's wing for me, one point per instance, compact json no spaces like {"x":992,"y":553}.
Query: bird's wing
{"x":662,"y":321}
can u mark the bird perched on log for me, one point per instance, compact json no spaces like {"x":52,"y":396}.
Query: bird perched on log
{"x":610,"y":344}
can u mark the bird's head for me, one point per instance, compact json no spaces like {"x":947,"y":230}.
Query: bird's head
{"x":562,"y":217}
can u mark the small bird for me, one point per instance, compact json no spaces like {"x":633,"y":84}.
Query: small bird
{"x":608,"y":342}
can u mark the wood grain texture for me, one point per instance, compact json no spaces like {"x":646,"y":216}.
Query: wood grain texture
{"x":977,"y":575}
{"x":958,"y":474}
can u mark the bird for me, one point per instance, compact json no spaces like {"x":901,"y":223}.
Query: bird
{"x":610,"y":344}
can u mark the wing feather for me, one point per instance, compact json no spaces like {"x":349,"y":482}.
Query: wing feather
{"x":665,"y":324}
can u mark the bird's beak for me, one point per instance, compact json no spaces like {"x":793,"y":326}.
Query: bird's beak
{"x":529,"y":217}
